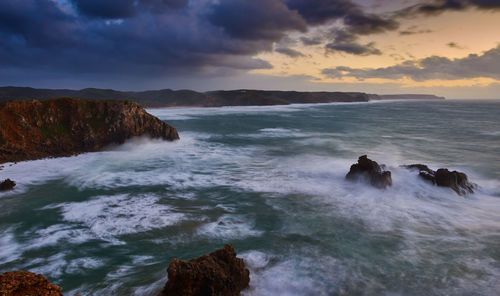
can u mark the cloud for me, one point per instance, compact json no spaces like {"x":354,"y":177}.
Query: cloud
{"x":142,"y":40}
{"x":440,"y":6}
{"x":106,"y":8}
{"x":455,"y":45}
{"x":346,"y":42}
{"x":113,"y":9}
{"x":256,"y":19}
{"x":316,"y":40}
{"x":289,"y":52}
{"x":318,"y":12}
{"x":413,"y":30}
{"x":435,"y":67}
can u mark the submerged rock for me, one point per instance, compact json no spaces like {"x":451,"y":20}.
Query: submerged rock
{"x":66,"y":126}
{"x":219,"y":273}
{"x":370,"y":171}
{"x":455,"y":180}
{"x":7,"y":184}
{"x":22,"y":283}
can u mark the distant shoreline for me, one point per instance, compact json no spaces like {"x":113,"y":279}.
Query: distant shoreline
{"x":168,"y":98}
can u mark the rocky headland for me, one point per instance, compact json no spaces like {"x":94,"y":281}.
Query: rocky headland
{"x":67,"y":126}
{"x":190,"y":98}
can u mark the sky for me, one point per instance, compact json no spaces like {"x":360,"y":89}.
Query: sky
{"x":444,"y":47}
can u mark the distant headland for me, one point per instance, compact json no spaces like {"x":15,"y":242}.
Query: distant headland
{"x":190,"y":98}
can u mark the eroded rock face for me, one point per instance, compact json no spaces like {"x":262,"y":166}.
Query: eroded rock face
{"x":66,"y":126}
{"x":7,"y":184}
{"x":455,"y":180}
{"x":369,"y":171}
{"x":23,"y":283}
{"x":219,"y":273}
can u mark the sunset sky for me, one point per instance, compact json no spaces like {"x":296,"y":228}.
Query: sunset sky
{"x":449,"y":48}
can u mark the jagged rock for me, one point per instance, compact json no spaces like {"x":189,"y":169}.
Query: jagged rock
{"x":457,"y":181}
{"x":24,"y":283}
{"x":370,"y":171}
{"x":220,"y":273}
{"x":65,"y":126}
{"x":7,"y":184}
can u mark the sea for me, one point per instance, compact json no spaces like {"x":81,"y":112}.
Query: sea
{"x":271,"y":181}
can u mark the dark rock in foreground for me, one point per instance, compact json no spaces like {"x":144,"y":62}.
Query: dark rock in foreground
{"x":457,"y":181}
{"x":369,"y":171}
{"x":8,"y":184}
{"x":22,"y":283}
{"x":219,"y":273}
{"x":64,"y":127}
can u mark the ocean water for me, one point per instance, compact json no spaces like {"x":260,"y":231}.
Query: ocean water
{"x":270,"y":180}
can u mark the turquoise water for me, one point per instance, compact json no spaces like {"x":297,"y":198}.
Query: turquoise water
{"x":270,"y":180}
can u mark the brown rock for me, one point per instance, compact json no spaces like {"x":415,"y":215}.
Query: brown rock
{"x":220,"y":273}
{"x":457,"y":181}
{"x":23,"y":283}
{"x":370,"y":171}
{"x":65,"y":126}
{"x":7,"y":184}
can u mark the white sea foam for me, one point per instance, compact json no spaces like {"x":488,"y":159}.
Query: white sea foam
{"x":82,"y":265}
{"x":57,"y":234}
{"x":10,"y":249}
{"x":108,"y":217}
{"x":230,"y":226}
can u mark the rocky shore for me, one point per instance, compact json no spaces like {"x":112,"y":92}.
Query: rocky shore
{"x":66,"y":126}
{"x":219,"y":273}
{"x":369,"y":171}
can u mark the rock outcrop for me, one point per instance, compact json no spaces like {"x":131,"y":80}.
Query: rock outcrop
{"x":219,"y":273}
{"x":369,"y":171}
{"x":457,"y":181}
{"x":7,"y":184}
{"x":23,"y":283}
{"x":65,"y":126}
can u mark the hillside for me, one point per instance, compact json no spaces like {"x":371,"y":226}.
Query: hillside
{"x":189,"y":98}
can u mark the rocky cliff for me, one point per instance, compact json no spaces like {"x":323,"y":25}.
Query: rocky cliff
{"x":67,"y":126}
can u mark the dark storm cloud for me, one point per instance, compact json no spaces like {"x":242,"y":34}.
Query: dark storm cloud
{"x":365,"y":24}
{"x":289,"y":52}
{"x":106,"y":8}
{"x":356,"y":22}
{"x":118,"y":9}
{"x":440,"y":6}
{"x":146,"y":39}
{"x":346,"y":42}
{"x":317,"y":12}
{"x":35,"y":24}
{"x":435,"y":67}
{"x":311,"y":40}
{"x":256,"y":19}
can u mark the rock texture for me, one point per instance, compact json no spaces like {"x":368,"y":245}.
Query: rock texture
{"x":369,"y":171}
{"x":23,"y":283}
{"x":7,"y":184}
{"x":219,"y":273}
{"x":65,"y":126}
{"x":457,"y":181}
